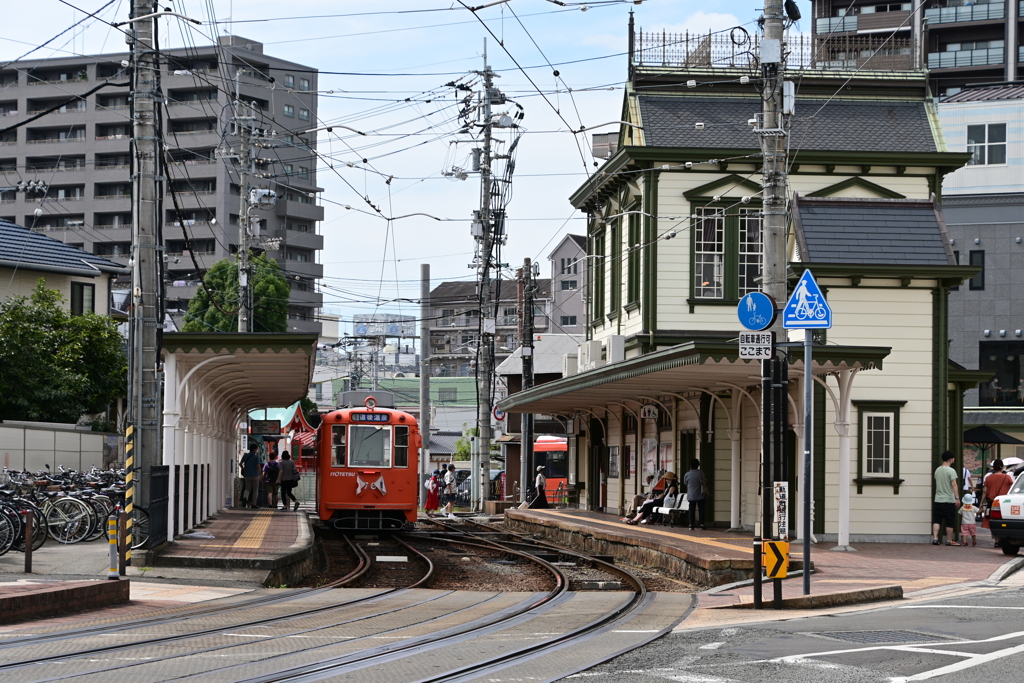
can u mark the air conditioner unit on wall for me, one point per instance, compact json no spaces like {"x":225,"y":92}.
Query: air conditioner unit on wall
{"x":615,"y":348}
{"x":570,"y":364}
{"x":590,"y":355}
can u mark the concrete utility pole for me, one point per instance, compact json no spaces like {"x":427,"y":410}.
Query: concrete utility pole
{"x":485,"y":242}
{"x":526,"y":336}
{"x":424,"y":370}
{"x":777,"y":103}
{"x":147,"y":296}
{"x":243,"y":128}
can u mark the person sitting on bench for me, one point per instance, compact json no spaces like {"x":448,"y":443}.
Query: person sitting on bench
{"x":669,"y":487}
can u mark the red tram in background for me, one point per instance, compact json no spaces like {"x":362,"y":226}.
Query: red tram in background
{"x":553,"y":453}
{"x":368,"y":475}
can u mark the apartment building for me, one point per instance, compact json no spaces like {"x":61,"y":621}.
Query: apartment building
{"x":455,"y":324}
{"x":568,"y":284}
{"x":82,"y":151}
{"x":960,"y":41}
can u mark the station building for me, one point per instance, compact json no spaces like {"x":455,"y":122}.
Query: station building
{"x":674,"y":240}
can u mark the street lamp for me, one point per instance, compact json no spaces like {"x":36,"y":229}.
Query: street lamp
{"x":330,"y":128}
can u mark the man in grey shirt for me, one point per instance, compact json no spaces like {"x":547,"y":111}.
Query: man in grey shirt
{"x":695,"y":492}
{"x":944,"y":505}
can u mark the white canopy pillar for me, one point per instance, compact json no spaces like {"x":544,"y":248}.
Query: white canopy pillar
{"x":172,"y":414}
{"x":735,"y":465}
{"x":842,"y":404}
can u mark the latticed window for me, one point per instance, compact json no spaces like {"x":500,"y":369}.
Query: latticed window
{"x":727,"y":243}
{"x":877,"y":443}
{"x":750,"y":238}
{"x":709,"y":254}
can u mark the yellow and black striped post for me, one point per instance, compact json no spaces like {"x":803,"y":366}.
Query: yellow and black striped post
{"x":129,"y":488}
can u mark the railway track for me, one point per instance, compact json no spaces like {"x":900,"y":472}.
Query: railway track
{"x":406,"y":630}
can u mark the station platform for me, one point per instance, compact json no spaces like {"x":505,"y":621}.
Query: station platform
{"x":723,"y":562}
{"x":279,"y":542}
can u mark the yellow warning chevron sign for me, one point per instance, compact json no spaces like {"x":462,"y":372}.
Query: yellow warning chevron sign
{"x":775,"y":559}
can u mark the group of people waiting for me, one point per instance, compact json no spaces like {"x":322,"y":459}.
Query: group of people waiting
{"x":665,"y":494}
{"x":273,"y":474}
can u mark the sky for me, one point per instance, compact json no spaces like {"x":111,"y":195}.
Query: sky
{"x":384,"y":53}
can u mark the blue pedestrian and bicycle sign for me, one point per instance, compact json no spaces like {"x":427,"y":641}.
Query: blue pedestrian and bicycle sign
{"x":807,"y":308}
{"x":756,"y":311}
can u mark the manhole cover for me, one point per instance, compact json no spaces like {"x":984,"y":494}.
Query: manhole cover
{"x":879,"y":636}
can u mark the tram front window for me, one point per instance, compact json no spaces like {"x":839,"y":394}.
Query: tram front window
{"x":556,"y":463}
{"x":369,"y":446}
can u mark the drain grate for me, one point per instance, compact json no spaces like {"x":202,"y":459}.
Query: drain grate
{"x":880,"y":637}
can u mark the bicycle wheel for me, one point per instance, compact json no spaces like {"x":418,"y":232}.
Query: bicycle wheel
{"x":820,"y":312}
{"x":68,"y":520}
{"x":140,"y":527}
{"x":99,"y":530}
{"x":8,"y":528}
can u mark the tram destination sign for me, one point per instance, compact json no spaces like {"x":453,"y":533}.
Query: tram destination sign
{"x":757,"y":345}
{"x":370,"y":417}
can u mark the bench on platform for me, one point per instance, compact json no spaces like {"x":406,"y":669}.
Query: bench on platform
{"x":673,"y":509}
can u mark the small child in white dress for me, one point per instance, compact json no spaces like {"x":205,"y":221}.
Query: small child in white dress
{"x":968,"y":520}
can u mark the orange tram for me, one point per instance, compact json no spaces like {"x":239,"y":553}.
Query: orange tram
{"x":368,"y":468}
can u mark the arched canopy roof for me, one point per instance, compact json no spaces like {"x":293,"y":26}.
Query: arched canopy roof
{"x":266,"y":369}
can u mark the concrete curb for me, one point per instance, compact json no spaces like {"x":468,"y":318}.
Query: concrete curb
{"x":295,"y":553}
{"x":640,"y":550}
{"x":839,"y":599}
{"x":62,"y":597}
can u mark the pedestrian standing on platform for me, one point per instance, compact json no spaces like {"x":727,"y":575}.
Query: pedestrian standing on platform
{"x":696,"y":492}
{"x":451,"y":490}
{"x":250,"y":465}
{"x":969,"y":520}
{"x":289,"y":480}
{"x":271,"y":477}
{"x":433,"y":486}
{"x":944,"y":505}
{"x":996,"y":483}
{"x":540,"y":484}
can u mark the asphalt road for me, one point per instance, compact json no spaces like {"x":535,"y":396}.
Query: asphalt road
{"x":975,"y":637}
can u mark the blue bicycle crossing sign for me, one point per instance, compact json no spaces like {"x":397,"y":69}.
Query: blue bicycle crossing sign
{"x":807,"y":308}
{"x":756,"y":311}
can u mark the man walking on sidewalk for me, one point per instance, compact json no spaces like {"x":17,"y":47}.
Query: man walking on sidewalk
{"x":944,"y":507}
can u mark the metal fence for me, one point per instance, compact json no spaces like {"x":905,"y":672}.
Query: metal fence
{"x":875,"y":52}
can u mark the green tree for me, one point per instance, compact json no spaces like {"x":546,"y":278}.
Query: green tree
{"x":54,"y":366}
{"x":270,"y":294}
{"x":463,"y":446}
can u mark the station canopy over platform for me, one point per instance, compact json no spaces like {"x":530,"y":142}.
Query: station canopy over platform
{"x":698,"y":364}
{"x":248,"y":370}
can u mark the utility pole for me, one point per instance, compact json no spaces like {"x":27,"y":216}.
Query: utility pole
{"x":526,"y":335}
{"x":243,"y":128}
{"x":143,"y":433}
{"x":485,"y":242}
{"x":424,"y":371}
{"x":777,"y":102}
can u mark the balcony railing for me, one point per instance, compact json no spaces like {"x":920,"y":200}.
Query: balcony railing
{"x":951,"y":15}
{"x":113,"y":196}
{"x":68,"y":110}
{"x":111,"y":226}
{"x":55,"y":169}
{"x":961,"y":58}
{"x":205,"y":131}
{"x":45,"y":140}
{"x":836,"y":24}
{"x":110,"y":167}
{"x":111,"y":107}
{"x":119,"y":136}
{"x":873,"y":52}
{"x":40,"y":81}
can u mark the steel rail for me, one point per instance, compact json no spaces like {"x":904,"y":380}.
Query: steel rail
{"x":361,"y":569}
{"x":335,"y":665}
